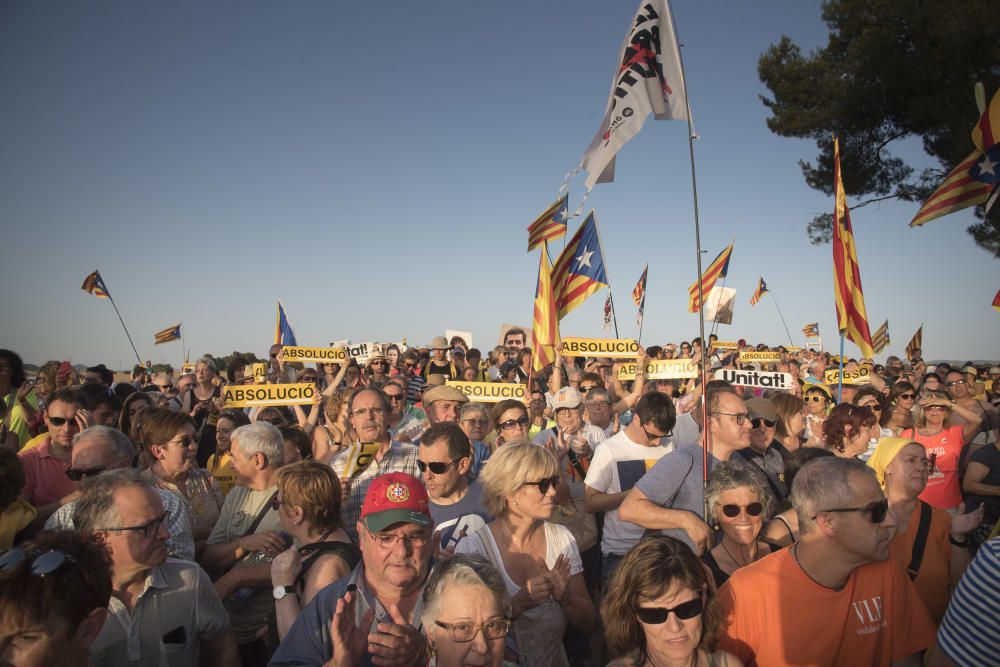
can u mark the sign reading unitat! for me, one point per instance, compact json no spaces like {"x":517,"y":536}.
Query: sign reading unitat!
{"x":763,"y":379}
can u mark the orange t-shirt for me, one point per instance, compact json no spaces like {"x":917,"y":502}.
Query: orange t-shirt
{"x":943,"y":489}
{"x":935,"y":567}
{"x":776,"y":615}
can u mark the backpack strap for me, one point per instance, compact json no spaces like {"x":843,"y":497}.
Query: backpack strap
{"x":920,"y":542}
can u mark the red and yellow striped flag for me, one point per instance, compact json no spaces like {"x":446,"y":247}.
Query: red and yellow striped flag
{"x":549,"y":225}
{"x":916,"y":343}
{"x":545,"y":326}
{"x":717,"y":269}
{"x":852,"y":320}
{"x":958,"y":190}
{"x":880,"y":339}
{"x":761,"y":291}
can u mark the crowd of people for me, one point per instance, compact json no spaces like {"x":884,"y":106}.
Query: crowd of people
{"x":601,"y":520}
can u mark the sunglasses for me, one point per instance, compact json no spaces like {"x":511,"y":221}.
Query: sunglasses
{"x":545,"y":484}
{"x":658,"y":615}
{"x":733,"y":511}
{"x":77,"y":475}
{"x":436,"y":467}
{"x":955,"y":383}
{"x":814,"y":398}
{"x":909,"y":397}
{"x":62,"y":421}
{"x":760,"y":420}
{"x":41,"y":564}
{"x":876,"y":511}
{"x":513,"y":423}
{"x":394,"y":397}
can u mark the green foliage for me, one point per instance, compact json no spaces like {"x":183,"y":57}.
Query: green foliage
{"x":891,"y":69}
{"x":223,"y":362}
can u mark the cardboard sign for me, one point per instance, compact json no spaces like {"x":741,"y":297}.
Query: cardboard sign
{"x":615,"y":348}
{"x":321,"y":355}
{"x":661,"y":369}
{"x":187,"y":368}
{"x":861,"y":375}
{"x":257,"y":371}
{"x":768,"y":357}
{"x":763,"y":379}
{"x":793,"y":348}
{"x":360,"y":455}
{"x":509,"y":339}
{"x":725,"y":345}
{"x":490,"y":392}
{"x":464,"y":335}
{"x":248,"y":395}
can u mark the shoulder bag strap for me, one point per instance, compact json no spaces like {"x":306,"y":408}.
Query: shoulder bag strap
{"x":260,"y":515}
{"x":919,"y":544}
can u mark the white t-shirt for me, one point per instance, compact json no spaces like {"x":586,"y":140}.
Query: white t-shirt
{"x":615,"y":459}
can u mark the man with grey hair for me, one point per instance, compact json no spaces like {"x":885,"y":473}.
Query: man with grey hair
{"x":247,"y":536}
{"x":101,"y":448}
{"x":161,"y":610}
{"x":834,"y":597}
{"x":475,"y":423}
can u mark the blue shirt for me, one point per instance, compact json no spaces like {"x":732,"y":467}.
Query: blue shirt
{"x":676,"y":482}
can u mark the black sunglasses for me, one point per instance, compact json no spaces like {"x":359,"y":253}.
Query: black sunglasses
{"x":436,"y":467}
{"x":511,"y":423}
{"x":760,"y":420}
{"x":545,"y":484}
{"x":732,"y":511}
{"x":76,"y":474}
{"x":41,"y":564}
{"x":61,"y":421}
{"x":876,"y":511}
{"x":658,"y":615}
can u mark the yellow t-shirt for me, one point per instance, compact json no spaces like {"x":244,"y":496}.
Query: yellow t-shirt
{"x":34,"y":442}
{"x":222,"y":469}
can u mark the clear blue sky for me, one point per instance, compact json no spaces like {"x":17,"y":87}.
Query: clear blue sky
{"x":375,"y":165}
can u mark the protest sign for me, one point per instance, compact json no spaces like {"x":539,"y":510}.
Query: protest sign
{"x":490,"y":392}
{"x":360,"y":455}
{"x":187,"y":368}
{"x":861,"y":375}
{"x":725,"y":345}
{"x":248,"y":395}
{"x":464,"y":335}
{"x":661,"y":369}
{"x":257,"y":371}
{"x":514,"y":335}
{"x":749,"y":356}
{"x":320,"y":355}
{"x":763,"y":379}
{"x":792,"y":348}
{"x":616,"y":348}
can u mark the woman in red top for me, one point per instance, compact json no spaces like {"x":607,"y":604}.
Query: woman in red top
{"x":943,"y":445}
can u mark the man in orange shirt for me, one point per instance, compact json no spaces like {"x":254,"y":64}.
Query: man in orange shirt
{"x":834,"y":597}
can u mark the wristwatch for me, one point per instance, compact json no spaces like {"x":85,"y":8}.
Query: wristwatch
{"x":280,"y":592}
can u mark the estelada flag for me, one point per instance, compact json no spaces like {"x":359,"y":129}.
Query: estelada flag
{"x":649,"y":80}
{"x":639,"y":294}
{"x":167,"y":335}
{"x":717,"y":269}
{"x":94,"y":284}
{"x":549,"y":225}
{"x":996,"y":300}
{"x":852,"y":319}
{"x":579,"y":271}
{"x":545,"y":325}
{"x":916,"y":343}
{"x":811,"y":330}
{"x":283,"y":333}
{"x":761,"y":289}
{"x":958,"y":190}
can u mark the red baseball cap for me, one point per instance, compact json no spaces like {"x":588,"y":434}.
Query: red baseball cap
{"x":395,"y":498}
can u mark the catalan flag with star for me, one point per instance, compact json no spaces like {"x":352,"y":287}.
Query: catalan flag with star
{"x":761,"y":290}
{"x":94,"y":284}
{"x":639,"y":295}
{"x":717,"y":269}
{"x":579,"y":270}
{"x":811,"y":330}
{"x":167,"y":335}
{"x":550,"y":225}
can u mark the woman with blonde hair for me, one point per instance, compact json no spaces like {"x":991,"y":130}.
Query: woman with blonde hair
{"x":538,"y":560}
{"x":660,"y":609}
{"x":335,"y":433}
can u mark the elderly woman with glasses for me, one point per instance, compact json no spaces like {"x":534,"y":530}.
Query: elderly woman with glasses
{"x":944,"y":446}
{"x":466,"y":614}
{"x":475,"y":422}
{"x":660,"y":609}
{"x":739,"y":503}
{"x":538,"y":560}
{"x":168,"y":443}
{"x":929,"y":543}
{"x":898,"y":414}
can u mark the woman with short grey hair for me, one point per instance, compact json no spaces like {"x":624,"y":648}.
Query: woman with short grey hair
{"x":738,"y":503}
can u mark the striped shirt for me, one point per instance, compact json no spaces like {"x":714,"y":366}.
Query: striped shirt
{"x":970,"y":631}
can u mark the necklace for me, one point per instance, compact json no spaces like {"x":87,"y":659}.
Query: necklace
{"x":753,"y":555}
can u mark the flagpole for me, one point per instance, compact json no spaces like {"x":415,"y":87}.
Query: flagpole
{"x":607,"y":274}
{"x":697,"y":253}
{"x":183,"y":347}
{"x":127,"y":334}
{"x":642,"y":321}
{"x":840,"y":381}
{"x":787,"y":333}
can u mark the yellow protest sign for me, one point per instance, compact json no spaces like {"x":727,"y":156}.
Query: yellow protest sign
{"x":861,"y":375}
{"x":249,"y":395}
{"x":257,"y":371}
{"x":661,"y":369}
{"x":360,"y":455}
{"x":490,"y":392}
{"x":793,"y":348}
{"x":187,"y":368}
{"x":320,"y":355}
{"x":751,"y":356}
{"x":726,"y":345}
{"x":618,"y":348}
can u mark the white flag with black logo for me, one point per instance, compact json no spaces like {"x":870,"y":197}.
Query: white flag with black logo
{"x":649,"y":80}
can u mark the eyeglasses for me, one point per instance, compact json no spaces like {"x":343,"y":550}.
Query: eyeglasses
{"x":374,"y":412}
{"x":814,"y":398}
{"x":494,"y":628}
{"x":658,"y":615}
{"x":42,"y":564}
{"x":308,"y":378}
{"x":514,"y":423}
{"x":436,"y":467}
{"x":475,"y":420}
{"x":409,"y":364}
{"x":148,"y":529}
{"x":76,"y":474}
{"x":758,"y":421}
{"x":276,"y":503}
{"x":389,"y":540}
{"x":931,"y":408}
{"x":733,"y":511}
{"x":586,"y":388}
{"x":395,"y":397}
{"x":187,"y":441}
{"x":62,"y":421}
{"x":545,"y":484}
{"x":740,"y":416}
{"x":910,"y":396}
{"x":874,"y":407}
{"x":955,"y":383}
{"x":876,"y":511}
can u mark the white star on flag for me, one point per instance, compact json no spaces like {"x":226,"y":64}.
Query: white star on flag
{"x":584,"y":259}
{"x":986,"y":166}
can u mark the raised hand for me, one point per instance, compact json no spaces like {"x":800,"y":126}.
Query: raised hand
{"x":964,"y":523}
{"x":348,"y":640}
